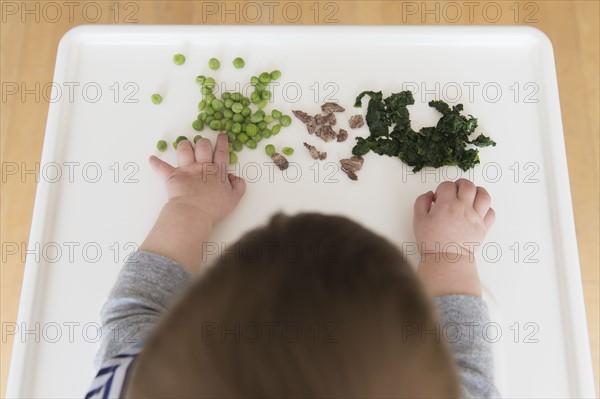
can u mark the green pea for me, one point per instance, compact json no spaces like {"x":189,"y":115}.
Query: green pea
{"x":210,"y":98}
{"x":246,"y":111}
{"x":251,"y":130}
{"x":201,"y":105}
{"x":237,"y":108}
{"x":238,"y":118}
{"x":254,"y":80}
{"x":260,"y":87}
{"x":256,"y":117}
{"x":262,"y":104}
{"x":264,"y":77}
{"x":178,"y":59}
{"x":276,"y":74}
{"x":217,"y":105}
{"x":266,"y":133}
{"x":237,"y":146}
{"x":228,"y":114}
{"x":251,"y":144}
{"x":228,"y":103}
{"x":268,"y":118}
{"x":262,"y":125}
{"x":238,"y":62}
{"x":276,"y":114}
{"x":237,"y":97}
{"x":236,"y":128}
{"x":196,"y":138}
{"x":276,"y":129}
{"x":206,"y":90}
{"x":209,"y":119}
{"x":228,"y":124}
{"x":285,"y":120}
{"x":161,"y":145}
{"x":225,"y":95}
{"x":288,"y":150}
{"x":270,"y":149}
{"x":200,"y":79}
{"x":198,"y":125}
{"x":215,"y":124}
{"x":242,"y":137}
{"x":156,"y":98}
{"x":209,"y":110}
{"x":247,"y":120}
{"x":233,"y":158}
{"x":231,"y":137}
{"x":255,"y":96}
{"x":265,"y":95}
{"x":257,"y":137}
{"x":210,"y":83}
{"x":214,"y":63}
{"x":202,"y":116}
{"x":245,"y":102}
{"x":218,"y":115}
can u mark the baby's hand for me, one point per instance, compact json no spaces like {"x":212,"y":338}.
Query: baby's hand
{"x":449,"y":226}
{"x":201,"y":180}
{"x":454,"y":219}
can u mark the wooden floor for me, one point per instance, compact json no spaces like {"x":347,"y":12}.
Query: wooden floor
{"x":29,"y":39}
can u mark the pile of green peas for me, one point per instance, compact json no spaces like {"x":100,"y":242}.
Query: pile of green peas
{"x":233,"y":113}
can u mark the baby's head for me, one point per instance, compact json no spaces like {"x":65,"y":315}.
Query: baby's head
{"x":307,"y":306}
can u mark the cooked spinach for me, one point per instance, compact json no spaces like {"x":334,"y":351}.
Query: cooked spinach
{"x":443,"y":144}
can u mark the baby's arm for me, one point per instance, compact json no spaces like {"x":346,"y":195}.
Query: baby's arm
{"x":449,"y":226}
{"x":200,"y":194}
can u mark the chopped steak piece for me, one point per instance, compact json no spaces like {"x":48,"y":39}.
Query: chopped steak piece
{"x":331,"y":120}
{"x":328,"y":119}
{"x":342,"y":135}
{"x":350,"y":174}
{"x":352,"y":165}
{"x":321,"y":119}
{"x":280,"y":161}
{"x":326,"y":133}
{"x":303,"y":116}
{"x":314,"y":153}
{"x":332,"y":107}
{"x":356,"y":121}
{"x":311,"y":125}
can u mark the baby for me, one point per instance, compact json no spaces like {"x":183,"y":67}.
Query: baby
{"x":340,"y":315}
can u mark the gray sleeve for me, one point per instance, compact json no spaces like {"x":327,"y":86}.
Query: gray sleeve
{"x":146,"y":285}
{"x":464,"y":318}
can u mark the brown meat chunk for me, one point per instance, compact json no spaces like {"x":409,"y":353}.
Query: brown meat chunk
{"x":280,"y":161}
{"x":321,"y":119}
{"x":342,"y":135}
{"x":314,"y":153}
{"x":331,"y":120}
{"x":328,"y":119}
{"x":326,"y":133}
{"x":332,"y":107}
{"x":303,"y":116}
{"x":311,"y":125}
{"x":352,"y":165}
{"x":356,"y":121}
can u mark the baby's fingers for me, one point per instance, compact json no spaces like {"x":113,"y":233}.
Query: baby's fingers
{"x":162,"y":169}
{"x":489,"y":218}
{"x":221,"y":156}
{"x":423,"y":203}
{"x":185,"y":153}
{"x":483,"y":201}
{"x":238,"y":184}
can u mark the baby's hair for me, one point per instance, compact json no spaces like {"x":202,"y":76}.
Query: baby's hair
{"x":306,"y":306}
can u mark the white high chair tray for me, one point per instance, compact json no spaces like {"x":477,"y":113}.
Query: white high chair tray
{"x":102,"y":127}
